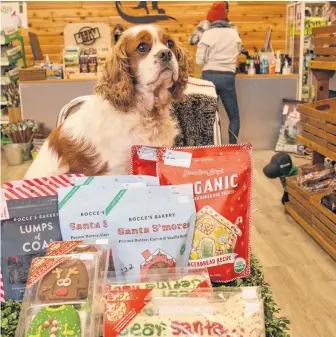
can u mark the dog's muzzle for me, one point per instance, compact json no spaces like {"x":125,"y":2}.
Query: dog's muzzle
{"x":165,"y":55}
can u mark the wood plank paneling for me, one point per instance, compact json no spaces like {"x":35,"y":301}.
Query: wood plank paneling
{"x":48,"y":19}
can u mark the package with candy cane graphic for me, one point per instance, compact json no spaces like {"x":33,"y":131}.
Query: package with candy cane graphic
{"x":222,"y":180}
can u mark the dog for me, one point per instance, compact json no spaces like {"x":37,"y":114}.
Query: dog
{"x":146,"y":71}
{"x":292,"y":126}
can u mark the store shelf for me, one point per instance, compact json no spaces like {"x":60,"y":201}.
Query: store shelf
{"x":316,"y":147}
{"x":314,"y":232}
{"x":7,"y":63}
{"x":317,"y":220}
{"x":323,"y":65}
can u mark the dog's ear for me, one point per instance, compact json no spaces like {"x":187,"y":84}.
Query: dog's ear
{"x":179,"y":86}
{"x":116,"y":81}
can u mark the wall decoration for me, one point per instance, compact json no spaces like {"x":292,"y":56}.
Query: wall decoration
{"x":87,"y":35}
{"x":14,"y":14}
{"x":142,"y":19}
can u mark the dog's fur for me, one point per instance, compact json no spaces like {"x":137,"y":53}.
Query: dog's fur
{"x":131,"y":106}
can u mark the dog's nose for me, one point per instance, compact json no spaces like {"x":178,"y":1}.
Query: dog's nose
{"x":165,"y":55}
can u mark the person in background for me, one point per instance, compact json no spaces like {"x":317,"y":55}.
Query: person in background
{"x":330,"y":14}
{"x":217,"y":52}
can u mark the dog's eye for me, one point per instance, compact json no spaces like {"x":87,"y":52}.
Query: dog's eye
{"x":170,"y":44}
{"x":143,"y":48}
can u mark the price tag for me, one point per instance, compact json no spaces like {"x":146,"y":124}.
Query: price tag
{"x":177,"y":158}
{"x":147,"y":153}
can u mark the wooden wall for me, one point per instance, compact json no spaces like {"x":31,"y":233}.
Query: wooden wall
{"x":48,"y":18}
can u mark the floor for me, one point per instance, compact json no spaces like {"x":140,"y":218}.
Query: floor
{"x":302,"y":276}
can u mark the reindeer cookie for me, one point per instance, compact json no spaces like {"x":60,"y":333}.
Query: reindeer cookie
{"x":66,"y":282}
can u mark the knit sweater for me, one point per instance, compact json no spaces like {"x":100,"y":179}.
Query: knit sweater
{"x":196,"y":114}
{"x":219,"y":49}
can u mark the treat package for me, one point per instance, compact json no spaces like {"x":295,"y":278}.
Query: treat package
{"x":144,"y":160}
{"x":79,"y":247}
{"x":167,"y":282}
{"x":31,"y":225}
{"x":241,"y":293}
{"x":315,"y":177}
{"x":82,"y":210}
{"x":222,"y":180}
{"x":309,"y":168}
{"x":319,"y":186}
{"x":155,"y":232}
{"x":63,"y":180}
{"x":183,"y":316}
{"x":329,"y":201}
{"x":60,"y":297}
{"x":103,"y":180}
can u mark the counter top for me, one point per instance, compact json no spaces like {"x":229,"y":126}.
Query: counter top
{"x":93,"y":79}
{"x":267,"y":76}
{"x":88,"y":79}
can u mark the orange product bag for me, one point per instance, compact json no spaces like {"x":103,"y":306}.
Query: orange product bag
{"x":222,"y":180}
{"x":144,"y":160}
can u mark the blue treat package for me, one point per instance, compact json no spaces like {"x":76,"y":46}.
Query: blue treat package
{"x":155,"y":232}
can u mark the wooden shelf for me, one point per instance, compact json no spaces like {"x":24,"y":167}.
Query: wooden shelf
{"x":314,"y":232}
{"x":316,"y":147}
{"x":323,"y":65}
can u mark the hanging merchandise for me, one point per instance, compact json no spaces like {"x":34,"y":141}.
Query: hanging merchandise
{"x":222,"y":178}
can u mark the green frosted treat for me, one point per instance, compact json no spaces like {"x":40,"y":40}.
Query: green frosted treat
{"x":207,"y":248}
{"x":55,"y":322}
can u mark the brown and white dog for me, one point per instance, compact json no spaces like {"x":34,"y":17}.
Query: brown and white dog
{"x":145,"y":73}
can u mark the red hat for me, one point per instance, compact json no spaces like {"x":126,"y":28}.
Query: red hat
{"x":218,"y":11}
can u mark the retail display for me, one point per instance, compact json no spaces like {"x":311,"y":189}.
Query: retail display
{"x":318,"y":133}
{"x":290,"y":128}
{"x":78,"y":60}
{"x":20,"y":132}
{"x":10,"y":55}
{"x":302,"y":18}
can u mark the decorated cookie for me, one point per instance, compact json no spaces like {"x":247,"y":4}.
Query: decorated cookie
{"x":67,"y":281}
{"x":55,"y":322}
{"x":84,"y":249}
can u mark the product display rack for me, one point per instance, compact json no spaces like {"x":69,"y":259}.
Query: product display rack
{"x":9,"y":65}
{"x":318,"y":122}
{"x":299,"y":39}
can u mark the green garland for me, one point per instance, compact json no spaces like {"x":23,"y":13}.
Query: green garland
{"x":275,"y":326}
{"x":9,"y":318}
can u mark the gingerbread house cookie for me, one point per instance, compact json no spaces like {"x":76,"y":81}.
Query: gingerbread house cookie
{"x":158,"y":260}
{"x":66,"y":282}
{"x":214,"y":235}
